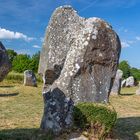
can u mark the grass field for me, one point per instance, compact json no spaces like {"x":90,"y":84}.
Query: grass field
{"x":21,"y":111}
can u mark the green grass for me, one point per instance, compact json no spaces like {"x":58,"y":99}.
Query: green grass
{"x":21,"y":110}
{"x":19,"y":77}
{"x":127,"y":106}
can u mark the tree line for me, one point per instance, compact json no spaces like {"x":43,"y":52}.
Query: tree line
{"x":22,"y":62}
{"x":129,"y":71}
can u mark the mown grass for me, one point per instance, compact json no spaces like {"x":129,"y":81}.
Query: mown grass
{"x":127,"y":106}
{"x":19,"y":77}
{"x":21,"y":110}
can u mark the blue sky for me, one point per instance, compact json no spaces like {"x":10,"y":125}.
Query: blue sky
{"x":23,"y":22}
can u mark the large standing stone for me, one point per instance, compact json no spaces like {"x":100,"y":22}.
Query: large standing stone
{"x":5,"y":64}
{"x":130,"y":82}
{"x":29,"y":78}
{"x":79,"y":59}
{"x":117,"y":83}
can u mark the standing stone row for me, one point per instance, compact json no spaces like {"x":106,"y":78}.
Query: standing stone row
{"x":78,"y":63}
{"x":129,"y":82}
{"x":116,"y":88}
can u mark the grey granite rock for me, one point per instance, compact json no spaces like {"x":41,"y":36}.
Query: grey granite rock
{"x":123,"y":83}
{"x":29,"y":78}
{"x":117,"y":83}
{"x":5,"y":64}
{"x":58,"y":111}
{"x":130,"y":82}
{"x":79,"y":57}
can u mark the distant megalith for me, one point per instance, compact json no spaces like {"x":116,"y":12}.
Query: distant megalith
{"x":130,"y":82}
{"x":78,"y":62}
{"x":30,"y":78}
{"x":123,"y":83}
{"x":5,"y":64}
{"x":117,"y":83}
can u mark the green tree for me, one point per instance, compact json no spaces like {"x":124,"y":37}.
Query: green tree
{"x":11,"y":54}
{"x":21,"y":63}
{"x":125,"y":67}
{"x":35,"y":62}
{"x":136,"y":73}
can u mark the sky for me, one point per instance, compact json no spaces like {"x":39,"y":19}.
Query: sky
{"x":23,"y":23}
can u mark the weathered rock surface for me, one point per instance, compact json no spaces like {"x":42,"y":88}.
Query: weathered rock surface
{"x":29,"y":78}
{"x":130,"y":82}
{"x":123,"y":83}
{"x":5,"y":64}
{"x":80,"y":58}
{"x":117,"y":83}
{"x":57,"y":112}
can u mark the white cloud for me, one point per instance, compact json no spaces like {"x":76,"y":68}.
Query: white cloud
{"x":125,"y":30}
{"x":7,"y":34}
{"x":138,"y":38}
{"x":125,"y":44}
{"x":36,"y":46}
{"x":42,"y":39}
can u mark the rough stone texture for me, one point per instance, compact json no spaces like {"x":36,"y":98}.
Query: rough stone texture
{"x":29,"y":78}
{"x":117,"y":83}
{"x":130,"y":82}
{"x":123,"y":83}
{"x":5,"y":64}
{"x":57,"y":112}
{"x":79,"y":57}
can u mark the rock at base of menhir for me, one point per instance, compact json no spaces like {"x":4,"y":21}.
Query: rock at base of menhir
{"x":79,"y":58}
{"x":117,"y":83}
{"x":30,"y":78}
{"x":130,"y":82}
{"x":58,"y":110}
{"x":5,"y":64}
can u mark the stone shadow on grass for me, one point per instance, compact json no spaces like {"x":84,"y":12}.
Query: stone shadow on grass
{"x":8,"y":94}
{"x":126,"y":128}
{"x":127,"y":94}
{"x":24,"y":134}
{"x":6,"y":86}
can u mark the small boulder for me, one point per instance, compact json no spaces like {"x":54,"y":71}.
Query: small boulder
{"x":123,"y":83}
{"x":117,"y":83}
{"x":130,"y":82}
{"x":58,"y":112}
{"x":30,"y":78}
{"x":5,"y":64}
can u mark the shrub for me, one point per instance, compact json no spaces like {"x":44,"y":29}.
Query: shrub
{"x":19,"y":77}
{"x":21,"y":63}
{"x":98,"y":118}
